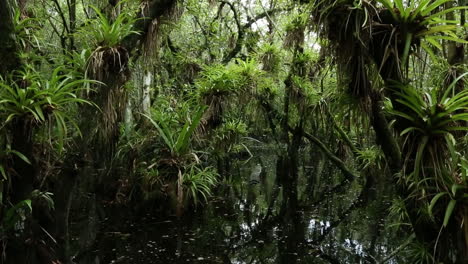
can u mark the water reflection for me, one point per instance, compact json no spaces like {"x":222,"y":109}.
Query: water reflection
{"x":265,"y":217}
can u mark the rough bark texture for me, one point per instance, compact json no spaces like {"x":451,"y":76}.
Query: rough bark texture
{"x":154,"y":10}
{"x":8,"y":46}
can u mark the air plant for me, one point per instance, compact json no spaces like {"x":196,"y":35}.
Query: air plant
{"x":34,"y":99}
{"x":295,"y":30}
{"x":416,"y":21}
{"x":216,"y":80}
{"x":198,"y":184}
{"x":248,"y":74}
{"x":270,"y":57}
{"x":433,"y":119}
{"x":24,"y":28}
{"x":227,"y":137}
{"x":178,"y":142}
{"x":109,"y":34}
{"x":109,"y":56}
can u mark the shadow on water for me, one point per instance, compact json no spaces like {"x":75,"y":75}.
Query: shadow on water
{"x":262,"y":213}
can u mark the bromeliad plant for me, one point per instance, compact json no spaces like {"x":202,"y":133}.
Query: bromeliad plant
{"x":193,"y":183}
{"x":227,"y":137}
{"x":433,"y":119}
{"x":413,"y":21}
{"x":109,"y":34}
{"x":34,"y":99}
{"x":178,"y":142}
{"x":454,"y":192}
{"x":24,"y":28}
{"x":434,"y":122}
{"x":198,"y":184}
{"x":109,"y":56}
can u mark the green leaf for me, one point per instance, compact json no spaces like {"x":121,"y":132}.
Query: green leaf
{"x":436,"y":29}
{"x":452,"y":85}
{"x":443,"y":12}
{"x":408,"y":40}
{"x":420,"y":7}
{"x":166,"y":137}
{"x":434,"y":201}
{"x":419,"y":155}
{"x":184,"y":138}
{"x":3,"y":173}
{"x":429,"y":51}
{"x":21,"y":156}
{"x":426,"y":11}
{"x":449,"y":211}
{"x":455,"y":188}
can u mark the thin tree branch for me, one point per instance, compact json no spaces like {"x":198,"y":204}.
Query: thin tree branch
{"x":241,"y":30}
{"x":349,"y":175}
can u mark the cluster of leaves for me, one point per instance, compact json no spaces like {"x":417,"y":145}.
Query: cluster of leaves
{"x":198,"y":183}
{"x":24,"y":30}
{"x":33,"y":98}
{"x":432,"y":118}
{"x":178,"y":142}
{"x":417,"y":20}
{"x":228,"y":136}
{"x":295,"y":30}
{"x":105,"y":33}
{"x":220,"y":80}
{"x":435,"y":119}
{"x":270,"y":57}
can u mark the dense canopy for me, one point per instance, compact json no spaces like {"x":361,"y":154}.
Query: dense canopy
{"x":233,"y":131}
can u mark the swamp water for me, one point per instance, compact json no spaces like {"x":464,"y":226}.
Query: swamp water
{"x":252,"y":219}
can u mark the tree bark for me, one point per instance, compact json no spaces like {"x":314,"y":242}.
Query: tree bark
{"x":8,"y":47}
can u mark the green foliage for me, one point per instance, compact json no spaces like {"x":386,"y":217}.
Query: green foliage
{"x":6,"y":155}
{"x":198,"y":184}
{"x":268,"y":88}
{"x":433,"y":120}
{"x":370,"y":156}
{"x":228,"y":136}
{"x":418,"y":253}
{"x":248,"y":73}
{"x":37,"y":99}
{"x":453,"y":190}
{"x":407,"y":13}
{"x":271,"y":57}
{"x":397,"y":211}
{"x":178,"y":142}
{"x":263,"y":95}
{"x":304,"y":92}
{"x":24,"y":29}
{"x":45,"y":197}
{"x":420,"y":20}
{"x":295,"y":30}
{"x":105,"y":33}
{"x":221,"y":81}
{"x":217,"y":80}
{"x":78,"y":61}
{"x":14,"y":214}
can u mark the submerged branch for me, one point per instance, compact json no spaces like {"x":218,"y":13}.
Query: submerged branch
{"x":397,"y":250}
{"x":345,"y":137}
{"x":349,"y":175}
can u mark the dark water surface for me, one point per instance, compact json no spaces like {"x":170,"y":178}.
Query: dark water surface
{"x":252,"y":219}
